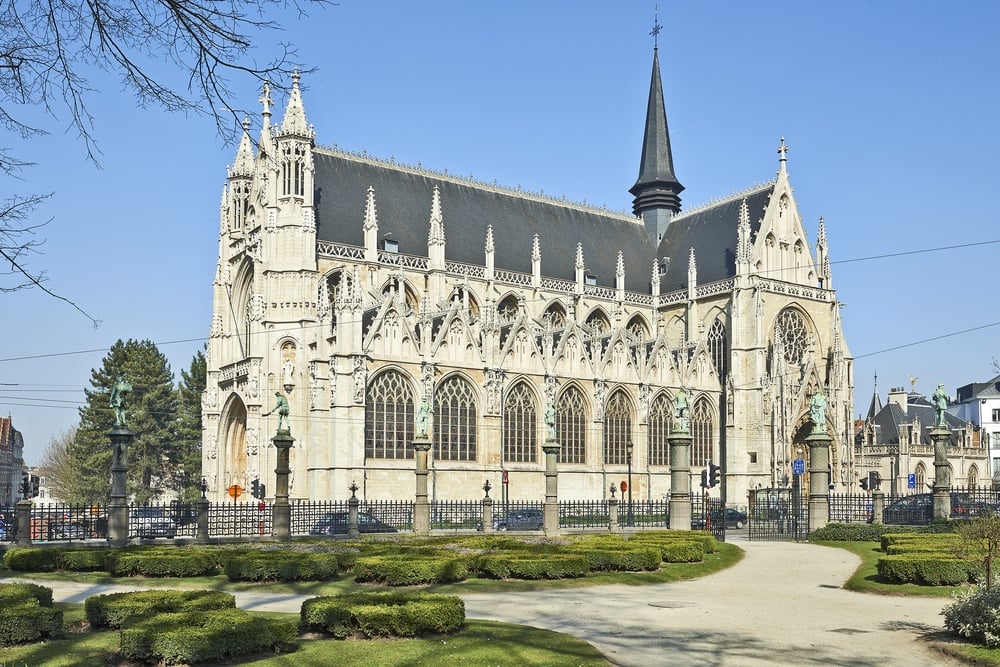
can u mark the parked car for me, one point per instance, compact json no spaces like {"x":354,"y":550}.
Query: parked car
{"x":67,"y":531}
{"x":735,"y":518}
{"x":336,"y":523}
{"x":150,"y":522}
{"x":918,"y":509}
{"x":529,"y":518}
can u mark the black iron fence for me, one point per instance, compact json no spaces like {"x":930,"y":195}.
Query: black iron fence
{"x":644,"y":514}
{"x":583,"y":514}
{"x":456,"y":514}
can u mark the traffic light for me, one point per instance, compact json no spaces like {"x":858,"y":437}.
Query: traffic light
{"x":715,"y":476}
{"x":34,"y":486}
{"x":255,"y":488}
{"x":874,"y":480}
{"x":704,"y":479}
{"x":864,"y":483}
{"x":25,"y":485}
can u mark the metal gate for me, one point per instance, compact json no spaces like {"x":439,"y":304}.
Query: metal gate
{"x":777,"y":514}
{"x":708,"y":514}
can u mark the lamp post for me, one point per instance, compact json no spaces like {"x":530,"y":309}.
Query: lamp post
{"x":628,"y":455}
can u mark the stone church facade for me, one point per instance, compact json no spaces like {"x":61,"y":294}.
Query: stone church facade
{"x":357,"y":287}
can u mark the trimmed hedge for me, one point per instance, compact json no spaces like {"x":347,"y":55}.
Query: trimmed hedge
{"x":115,"y":609}
{"x":395,"y":614}
{"x":13,"y":594}
{"x":31,"y":559}
{"x":848,"y":532}
{"x":531,"y":566}
{"x":403,"y":570}
{"x":709,"y":544}
{"x":925,"y":540}
{"x":162,"y":563}
{"x":683,"y":552}
{"x":282,"y":566}
{"x":28,"y":621}
{"x":628,"y":558}
{"x":203,"y":636}
{"x":926,"y":569}
{"x":82,"y":560}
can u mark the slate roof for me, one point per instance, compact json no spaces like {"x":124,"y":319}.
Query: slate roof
{"x":403,"y":204}
{"x":712,"y":232}
{"x":891,"y":418}
{"x":990,"y":389}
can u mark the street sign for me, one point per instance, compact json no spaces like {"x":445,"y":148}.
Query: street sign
{"x":623,"y":486}
{"x":911,"y":481}
{"x":505,"y":479}
{"x":799,"y":466}
{"x":235,"y":491}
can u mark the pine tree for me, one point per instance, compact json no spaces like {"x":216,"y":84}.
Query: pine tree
{"x":189,"y":392}
{"x":151,"y":413}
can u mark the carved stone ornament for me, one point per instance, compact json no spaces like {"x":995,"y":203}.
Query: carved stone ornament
{"x":251,"y":441}
{"x":215,"y":330}
{"x":427,"y":371}
{"x":211,"y":451}
{"x":600,"y":391}
{"x":493,"y":388}
{"x":360,"y":377}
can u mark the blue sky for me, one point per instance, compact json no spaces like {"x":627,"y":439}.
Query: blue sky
{"x":890,"y":109}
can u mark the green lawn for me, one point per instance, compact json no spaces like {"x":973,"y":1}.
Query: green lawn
{"x":866,"y":580}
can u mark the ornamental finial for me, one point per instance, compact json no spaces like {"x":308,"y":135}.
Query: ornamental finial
{"x":656,"y":26}
{"x":783,"y":152}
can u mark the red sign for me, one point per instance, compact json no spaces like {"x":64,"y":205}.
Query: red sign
{"x":623,"y":486}
{"x":235,"y":491}
{"x":505,"y":479}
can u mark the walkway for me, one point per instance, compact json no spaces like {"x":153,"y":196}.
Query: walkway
{"x":782,"y":605}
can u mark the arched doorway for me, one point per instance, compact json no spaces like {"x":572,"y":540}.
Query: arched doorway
{"x":234,"y":429}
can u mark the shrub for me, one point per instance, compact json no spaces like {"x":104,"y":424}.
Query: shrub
{"x":848,"y":532}
{"x":976,"y":616}
{"x":82,"y":560}
{"x":115,"y":609}
{"x":395,"y":614}
{"x":624,"y":559}
{"x":162,"y":563}
{"x":925,"y":540}
{"x":531,"y":566}
{"x":411,"y":570}
{"x":203,"y":636}
{"x":31,"y":559}
{"x":28,"y":621}
{"x":707,"y":540}
{"x":927,"y":569}
{"x":14,"y":594}
{"x":681,"y":551}
{"x":282,"y":566}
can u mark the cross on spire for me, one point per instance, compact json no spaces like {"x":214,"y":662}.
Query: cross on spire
{"x":656,"y":26}
{"x":783,"y":152}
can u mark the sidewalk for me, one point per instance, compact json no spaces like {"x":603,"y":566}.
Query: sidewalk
{"x":781,"y":605}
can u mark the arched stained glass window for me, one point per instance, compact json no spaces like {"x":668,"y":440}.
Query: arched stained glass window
{"x":454,"y":421}
{"x":520,"y":421}
{"x":793,"y":334}
{"x":571,"y":426}
{"x":702,"y":433}
{"x":920,"y":473}
{"x":389,"y":417}
{"x":617,"y":428}
{"x":660,"y":416}
{"x":717,"y":347}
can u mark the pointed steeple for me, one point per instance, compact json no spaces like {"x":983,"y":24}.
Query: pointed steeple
{"x":876,"y":405}
{"x":436,"y":234}
{"x":265,"y":119}
{"x":295,"y":114}
{"x":744,"y":247}
{"x":243,"y":165}
{"x":657,"y":190}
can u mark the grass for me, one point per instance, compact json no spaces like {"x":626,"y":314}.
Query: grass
{"x":866,"y":580}
{"x":480,"y":643}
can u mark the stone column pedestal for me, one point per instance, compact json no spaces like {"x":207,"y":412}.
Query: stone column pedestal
{"x":613,"y":515}
{"x":819,"y":480}
{"x":487,"y":515}
{"x":878,"y":506}
{"x":120,"y":438}
{"x":942,"y":498}
{"x":24,"y":523}
{"x":201,"y":532}
{"x":421,"y":507}
{"x":282,"y":529}
{"x":551,"y":511}
{"x":680,"y":480}
{"x":352,"y":513}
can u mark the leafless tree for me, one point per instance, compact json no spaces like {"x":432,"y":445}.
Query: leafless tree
{"x":50,"y":49}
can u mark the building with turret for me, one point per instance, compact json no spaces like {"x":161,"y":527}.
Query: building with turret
{"x":357,"y":287}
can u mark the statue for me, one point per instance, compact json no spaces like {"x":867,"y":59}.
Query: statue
{"x":281,"y":407}
{"x":940,"y":400}
{"x":550,"y":420}
{"x":118,"y":391}
{"x":817,"y":412}
{"x":423,"y":417}
{"x":681,"y":409}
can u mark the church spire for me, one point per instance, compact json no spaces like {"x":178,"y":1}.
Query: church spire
{"x":295,"y":113}
{"x":657,"y":190}
{"x":243,"y":166}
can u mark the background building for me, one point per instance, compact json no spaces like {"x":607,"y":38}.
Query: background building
{"x":358,"y":287}
{"x":11,"y":462}
{"x":979,"y":404}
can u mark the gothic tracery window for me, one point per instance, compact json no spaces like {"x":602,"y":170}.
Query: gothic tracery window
{"x":717,"y":346}
{"x":389,"y":417}
{"x":702,"y":433}
{"x":920,"y":473}
{"x":793,"y":333}
{"x":520,"y":420}
{"x":507,"y":309}
{"x":571,"y":425}
{"x":554,"y":317}
{"x":454,"y":421}
{"x":293,"y":169}
{"x":638,"y":328}
{"x":598,"y":323}
{"x":660,"y":415}
{"x":617,"y":428}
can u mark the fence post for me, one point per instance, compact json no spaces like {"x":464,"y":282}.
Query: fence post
{"x":487,"y":515}
{"x":24,"y":522}
{"x":878,"y":505}
{"x":613,"y":513}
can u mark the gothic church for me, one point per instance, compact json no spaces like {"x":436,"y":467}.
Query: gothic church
{"x":357,"y":286}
